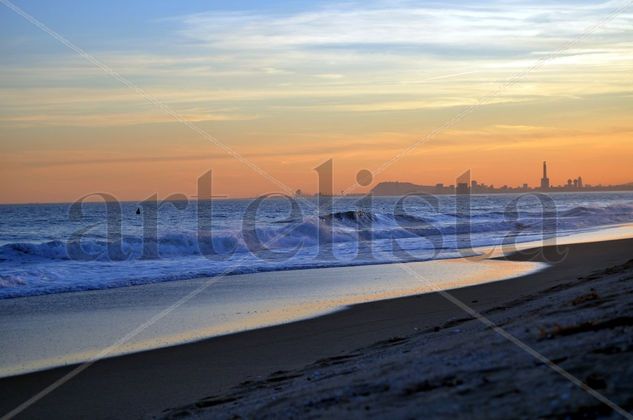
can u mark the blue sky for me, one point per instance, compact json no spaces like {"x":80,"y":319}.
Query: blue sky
{"x":291,"y":83}
{"x":101,"y":24}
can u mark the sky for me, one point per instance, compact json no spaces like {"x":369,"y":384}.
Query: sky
{"x":289,"y":85}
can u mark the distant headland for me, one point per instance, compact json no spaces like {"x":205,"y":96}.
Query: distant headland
{"x":474,"y":187}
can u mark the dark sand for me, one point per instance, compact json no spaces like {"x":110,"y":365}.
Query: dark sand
{"x":389,"y":378}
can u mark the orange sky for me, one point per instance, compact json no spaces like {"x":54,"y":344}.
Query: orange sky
{"x":287,"y":101}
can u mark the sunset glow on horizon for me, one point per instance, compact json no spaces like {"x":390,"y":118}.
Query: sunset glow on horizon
{"x":289,"y":85}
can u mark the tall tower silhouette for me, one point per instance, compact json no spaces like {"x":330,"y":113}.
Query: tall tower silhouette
{"x":545,"y":179}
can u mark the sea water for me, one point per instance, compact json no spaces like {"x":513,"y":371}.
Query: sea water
{"x":189,"y":296}
{"x":36,"y":240}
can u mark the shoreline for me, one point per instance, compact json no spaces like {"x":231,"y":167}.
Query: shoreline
{"x":572,"y":343}
{"x":599,"y":233}
{"x":45,"y":332}
{"x":148,"y":382}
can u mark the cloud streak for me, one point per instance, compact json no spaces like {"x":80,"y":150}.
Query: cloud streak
{"x":350,"y":57}
{"x":512,"y":28}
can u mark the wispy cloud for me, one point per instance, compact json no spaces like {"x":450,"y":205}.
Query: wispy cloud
{"x":105,"y":119}
{"x":348,"y":57}
{"x":505,"y":27}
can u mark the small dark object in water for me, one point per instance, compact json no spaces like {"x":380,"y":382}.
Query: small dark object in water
{"x":138,"y":210}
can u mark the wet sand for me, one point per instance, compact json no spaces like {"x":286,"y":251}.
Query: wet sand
{"x":568,"y":355}
{"x":147,"y":383}
{"x":47,"y":331}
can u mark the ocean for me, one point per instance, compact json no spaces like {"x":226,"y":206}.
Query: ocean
{"x":50,"y":248}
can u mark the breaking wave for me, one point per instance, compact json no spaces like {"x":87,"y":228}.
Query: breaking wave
{"x":50,"y":266}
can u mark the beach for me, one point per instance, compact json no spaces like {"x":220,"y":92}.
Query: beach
{"x":346,"y":359}
{"x":283,"y":209}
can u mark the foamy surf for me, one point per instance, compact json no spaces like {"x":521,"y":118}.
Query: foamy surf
{"x":34,"y":257}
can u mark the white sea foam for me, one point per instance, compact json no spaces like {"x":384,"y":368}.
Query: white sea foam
{"x":35,"y":257}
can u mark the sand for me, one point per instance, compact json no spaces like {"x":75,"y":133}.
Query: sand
{"x":406,"y":356}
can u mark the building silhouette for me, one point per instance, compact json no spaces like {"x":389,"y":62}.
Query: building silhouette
{"x":476,"y":187}
{"x":545,"y":179}
{"x":462,"y":188}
